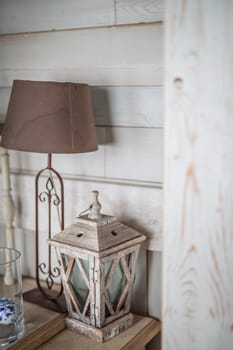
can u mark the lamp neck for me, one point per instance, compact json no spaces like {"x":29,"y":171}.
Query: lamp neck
{"x":49,"y":160}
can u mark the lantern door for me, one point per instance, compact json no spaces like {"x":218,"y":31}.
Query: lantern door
{"x":117,"y":273}
{"x":77,"y":280}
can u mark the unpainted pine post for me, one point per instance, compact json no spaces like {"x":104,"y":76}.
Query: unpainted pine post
{"x":198,"y":186}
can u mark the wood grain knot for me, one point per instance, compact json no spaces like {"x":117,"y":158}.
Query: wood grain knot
{"x":193,"y":248}
{"x":114,"y":233}
{"x":79,"y":235}
{"x":178,"y":82}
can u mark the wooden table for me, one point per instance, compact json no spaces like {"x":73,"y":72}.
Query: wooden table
{"x":44,"y":330}
{"x":134,"y":338}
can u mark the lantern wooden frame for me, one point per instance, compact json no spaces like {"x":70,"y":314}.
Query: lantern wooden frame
{"x":100,"y":249}
{"x":96,"y":324}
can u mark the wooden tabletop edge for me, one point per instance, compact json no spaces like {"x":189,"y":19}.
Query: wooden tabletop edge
{"x":145,"y":335}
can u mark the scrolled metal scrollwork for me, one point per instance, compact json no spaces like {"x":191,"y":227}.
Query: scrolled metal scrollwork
{"x":56,"y":272}
{"x":43,"y":196}
{"x":50,"y":196}
{"x":56,"y":200}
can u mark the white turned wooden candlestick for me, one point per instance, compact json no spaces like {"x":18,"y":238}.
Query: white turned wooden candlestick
{"x":8,"y":208}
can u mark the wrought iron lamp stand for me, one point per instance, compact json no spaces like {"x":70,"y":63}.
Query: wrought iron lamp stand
{"x":48,"y":293}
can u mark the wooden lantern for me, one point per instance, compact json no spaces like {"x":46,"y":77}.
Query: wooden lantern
{"x":98,"y":256}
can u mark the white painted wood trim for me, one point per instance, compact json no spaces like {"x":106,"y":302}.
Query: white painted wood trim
{"x":94,"y":179}
{"x":198,"y":224}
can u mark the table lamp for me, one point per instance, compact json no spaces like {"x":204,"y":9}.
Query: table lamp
{"x":49,"y":117}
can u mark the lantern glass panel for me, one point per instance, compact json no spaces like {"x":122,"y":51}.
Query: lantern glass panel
{"x":79,"y":278}
{"x":118,"y":280}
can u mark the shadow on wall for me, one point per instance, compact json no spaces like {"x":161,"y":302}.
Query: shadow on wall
{"x":102,"y":112}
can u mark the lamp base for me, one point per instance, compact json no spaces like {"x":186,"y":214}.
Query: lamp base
{"x":35,"y":296}
{"x":100,"y":335}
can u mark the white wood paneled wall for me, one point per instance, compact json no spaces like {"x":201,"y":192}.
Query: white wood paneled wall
{"x":88,"y":41}
{"x":198,"y":242}
{"x":122,"y":65}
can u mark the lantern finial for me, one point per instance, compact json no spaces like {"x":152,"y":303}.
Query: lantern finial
{"x":94,"y":213}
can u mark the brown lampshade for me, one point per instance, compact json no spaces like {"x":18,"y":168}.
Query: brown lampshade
{"x":49,"y":117}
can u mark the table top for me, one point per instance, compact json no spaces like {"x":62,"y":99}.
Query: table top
{"x":44,"y":330}
{"x":136,"y":337}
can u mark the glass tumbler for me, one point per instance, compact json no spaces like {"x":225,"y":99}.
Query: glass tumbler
{"x":11,"y":299}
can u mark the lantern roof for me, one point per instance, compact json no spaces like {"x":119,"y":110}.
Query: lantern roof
{"x":97,"y":232}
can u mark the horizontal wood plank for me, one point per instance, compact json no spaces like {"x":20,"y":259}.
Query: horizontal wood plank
{"x":130,"y":76}
{"x":137,"y":207}
{"x":133,"y":11}
{"x":104,"y":56}
{"x":138,"y":106}
{"x":124,"y":153}
{"x":134,"y":153}
{"x":30,"y":16}
{"x":91,"y":163}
